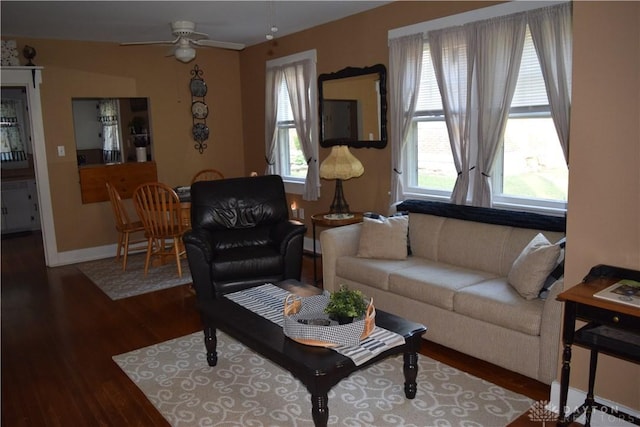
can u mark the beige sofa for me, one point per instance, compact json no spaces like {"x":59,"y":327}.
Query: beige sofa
{"x":455,"y":282}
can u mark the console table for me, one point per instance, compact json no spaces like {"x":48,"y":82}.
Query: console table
{"x":612,"y":328}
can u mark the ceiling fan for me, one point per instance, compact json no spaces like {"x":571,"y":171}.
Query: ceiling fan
{"x":186,"y":38}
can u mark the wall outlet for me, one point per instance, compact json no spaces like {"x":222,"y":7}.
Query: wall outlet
{"x":301,"y":213}
{"x":61,"y":151}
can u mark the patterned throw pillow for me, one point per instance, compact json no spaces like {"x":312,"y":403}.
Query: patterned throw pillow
{"x":533,"y":265}
{"x":384,"y":238}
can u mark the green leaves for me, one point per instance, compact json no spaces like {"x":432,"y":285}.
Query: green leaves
{"x":346,"y":303}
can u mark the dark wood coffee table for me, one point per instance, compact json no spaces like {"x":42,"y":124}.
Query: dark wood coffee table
{"x":319,"y":369}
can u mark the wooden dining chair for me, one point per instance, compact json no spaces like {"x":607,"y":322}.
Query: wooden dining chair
{"x":125,"y":226}
{"x":158,"y":207}
{"x":207,"y":175}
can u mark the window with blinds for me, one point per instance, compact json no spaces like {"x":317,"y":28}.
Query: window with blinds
{"x":530,"y":169}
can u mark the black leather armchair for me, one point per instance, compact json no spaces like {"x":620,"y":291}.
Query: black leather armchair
{"x":241,"y":235}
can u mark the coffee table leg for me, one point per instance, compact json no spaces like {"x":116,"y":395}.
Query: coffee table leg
{"x":211,"y":342}
{"x":320,"y":410}
{"x":410,"y":369}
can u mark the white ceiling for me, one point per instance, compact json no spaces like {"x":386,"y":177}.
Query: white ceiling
{"x":245,"y":22}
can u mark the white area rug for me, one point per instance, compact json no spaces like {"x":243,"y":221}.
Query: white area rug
{"x":107,"y":274}
{"x":246,"y":390}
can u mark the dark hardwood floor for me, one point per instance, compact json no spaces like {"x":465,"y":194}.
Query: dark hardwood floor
{"x":59,"y":332}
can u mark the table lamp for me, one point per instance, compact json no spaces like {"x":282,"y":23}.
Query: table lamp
{"x":340,"y":165}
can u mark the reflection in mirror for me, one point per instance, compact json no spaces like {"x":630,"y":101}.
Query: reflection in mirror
{"x":108,"y":130}
{"x":353,"y":107}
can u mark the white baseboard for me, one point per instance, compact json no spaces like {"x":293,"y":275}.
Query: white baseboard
{"x":307,"y":246}
{"x":576,"y":397}
{"x":108,"y":251}
{"x":88,"y":254}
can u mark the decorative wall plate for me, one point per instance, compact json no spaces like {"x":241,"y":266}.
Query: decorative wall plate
{"x":200,"y":132}
{"x":199,"y":110}
{"x":198,"y":87}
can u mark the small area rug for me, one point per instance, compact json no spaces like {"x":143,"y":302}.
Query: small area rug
{"x":107,"y":274}
{"x":244,"y":389}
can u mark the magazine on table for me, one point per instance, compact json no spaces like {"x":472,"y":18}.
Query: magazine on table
{"x":623,"y":291}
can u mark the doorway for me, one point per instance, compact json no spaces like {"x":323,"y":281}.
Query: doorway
{"x":28,"y":79}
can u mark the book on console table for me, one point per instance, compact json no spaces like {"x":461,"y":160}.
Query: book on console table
{"x":623,"y":291}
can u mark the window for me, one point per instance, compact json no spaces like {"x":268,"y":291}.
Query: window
{"x":531,"y":164}
{"x":289,"y":153}
{"x":13,"y":150}
{"x":290,"y":163}
{"x":530,"y":170}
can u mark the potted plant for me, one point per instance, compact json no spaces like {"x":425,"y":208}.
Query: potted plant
{"x":138,"y":125}
{"x":346,"y":305}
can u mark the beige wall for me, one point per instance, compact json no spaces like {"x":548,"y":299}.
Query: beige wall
{"x":603,"y":224}
{"x":75,"y":69}
{"x":604,"y":182}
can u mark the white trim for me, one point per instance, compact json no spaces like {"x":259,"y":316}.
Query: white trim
{"x":307,"y":54}
{"x":87,"y":254}
{"x":307,"y":246}
{"x":471,"y":16}
{"x":293,"y":187}
{"x":576,"y":397}
{"x":31,"y":78}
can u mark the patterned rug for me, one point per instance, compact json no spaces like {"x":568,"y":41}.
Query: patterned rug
{"x":107,"y":274}
{"x":247,"y":390}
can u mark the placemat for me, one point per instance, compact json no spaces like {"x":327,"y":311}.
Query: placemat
{"x":268,"y":301}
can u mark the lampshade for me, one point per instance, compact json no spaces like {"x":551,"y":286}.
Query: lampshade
{"x":341,"y":164}
{"x":184,"y":53}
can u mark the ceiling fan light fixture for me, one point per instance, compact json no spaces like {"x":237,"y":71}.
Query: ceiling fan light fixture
{"x":184,"y":53}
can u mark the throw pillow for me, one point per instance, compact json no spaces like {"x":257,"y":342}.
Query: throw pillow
{"x":556,"y":273}
{"x":384,"y":238}
{"x":533,"y":265}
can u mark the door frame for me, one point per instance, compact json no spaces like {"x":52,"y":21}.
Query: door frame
{"x":31,"y":78}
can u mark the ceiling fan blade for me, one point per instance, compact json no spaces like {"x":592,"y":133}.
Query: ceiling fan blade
{"x":196,"y":35}
{"x":223,"y":45}
{"x":150,"y":42}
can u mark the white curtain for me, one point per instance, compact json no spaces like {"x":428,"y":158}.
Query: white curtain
{"x":405,"y":67}
{"x":452,"y":52}
{"x":298,"y":78}
{"x":551,"y":32}
{"x":108,"y":117}
{"x":498,"y":54}
{"x":11,"y":143}
{"x":273,"y":82}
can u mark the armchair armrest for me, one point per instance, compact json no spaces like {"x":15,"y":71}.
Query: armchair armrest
{"x":284,"y":231}
{"x":201,"y":239}
{"x":197,"y":243}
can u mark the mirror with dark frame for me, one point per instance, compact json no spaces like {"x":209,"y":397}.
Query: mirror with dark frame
{"x":352,"y":107}
{"x":108,"y":130}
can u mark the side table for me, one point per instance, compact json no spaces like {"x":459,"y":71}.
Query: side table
{"x":320,"y":221}
{"x":612,"y":328}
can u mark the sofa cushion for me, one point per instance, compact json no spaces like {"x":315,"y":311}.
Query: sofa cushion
{"x":472,"y":245}
{"x":384,"y":238}
{"x":373,"y":272}
{"x":532,"y":266}
{"x":495,"y":301}
{"x":433,"y":282}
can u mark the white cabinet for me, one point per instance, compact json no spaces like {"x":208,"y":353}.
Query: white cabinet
{"x":19,"y":206}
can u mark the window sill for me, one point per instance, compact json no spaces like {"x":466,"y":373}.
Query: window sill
{"x":510,"y":206}
{"x":293,"y":187}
